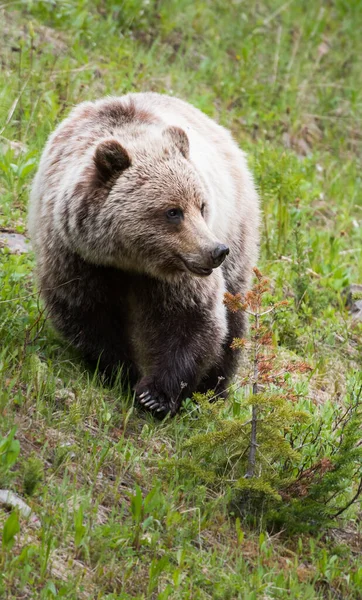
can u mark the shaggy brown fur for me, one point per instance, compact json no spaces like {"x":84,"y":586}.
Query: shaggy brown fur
{"x":136,"y":202}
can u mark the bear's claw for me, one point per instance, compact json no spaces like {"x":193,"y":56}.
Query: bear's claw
{"x":150,"y":403}
{"x":153,"y":405}
{"x":153,"y":402}
{"x":145,"y":397}
{"x":150,"y":398}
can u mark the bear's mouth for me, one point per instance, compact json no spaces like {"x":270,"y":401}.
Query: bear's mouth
{"x":196,"y":269}
{"x":201,"y":271}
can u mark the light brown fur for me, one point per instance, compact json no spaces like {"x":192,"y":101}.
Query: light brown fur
{"x":119,"y":275}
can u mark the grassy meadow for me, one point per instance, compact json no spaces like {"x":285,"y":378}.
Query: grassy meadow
{"x":110,"y":519}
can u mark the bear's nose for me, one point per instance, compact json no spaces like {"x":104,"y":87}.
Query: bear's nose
{"x":219,"y":254}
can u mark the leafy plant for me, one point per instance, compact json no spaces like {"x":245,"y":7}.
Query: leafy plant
{"x":328,"y":480}
{"x":9,"y":452}
{"x":79,"y":527}
{"x":11,"y":528}
{"x":270,"y":457}
{"x":33,"y":472}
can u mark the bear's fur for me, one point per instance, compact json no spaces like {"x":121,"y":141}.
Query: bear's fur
{"x":124,"y":279}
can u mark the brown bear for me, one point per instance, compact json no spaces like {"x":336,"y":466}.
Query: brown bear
{"x":142,"y":214}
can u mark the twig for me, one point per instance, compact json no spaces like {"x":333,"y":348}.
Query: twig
{"x":293,"y":262}
{"x":254,"y":412}
{"x":341,"y":510}
{"x":37,"y":293}
{"x":7,"y":229}
{"x":262,"y":314}
{"x":276,"y":59}
{"x":326,"y":117}
{"x":350,"y":251}
{"x":14,"y":105}
{"x":277,"y":12}
{"x":10,"y":4}
{"x":27,"y":340}
{"x":292,"y":58}
{"x":76,"y":70}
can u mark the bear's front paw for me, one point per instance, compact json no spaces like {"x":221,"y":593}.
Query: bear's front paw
{"x":153,"y":400}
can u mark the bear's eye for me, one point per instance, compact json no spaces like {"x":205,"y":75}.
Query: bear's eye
{"x":175,"y":215}
{"x":203,"y":209}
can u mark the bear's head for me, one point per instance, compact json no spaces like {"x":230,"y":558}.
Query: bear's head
{"x":157,"y":208}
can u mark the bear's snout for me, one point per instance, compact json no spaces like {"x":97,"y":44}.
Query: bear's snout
{"x":203,"y":264}
{"x":219,"y":254}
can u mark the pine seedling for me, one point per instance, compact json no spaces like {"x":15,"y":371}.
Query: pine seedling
{"x":272,"y":398}
{"x":243,"y":452}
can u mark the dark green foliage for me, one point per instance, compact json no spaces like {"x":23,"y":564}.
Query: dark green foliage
{"x":32,"y":475}
{"x":276,"y":463}
{"x":11,"y":528}
{"x":329,"y":479}
{"x":9,"y":452}
{"x":219,"y":442}
{"x":308,"y":472}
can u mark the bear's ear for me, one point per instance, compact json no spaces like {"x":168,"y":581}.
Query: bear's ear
{"x":178,"y":138}
{"x":111,"y":159}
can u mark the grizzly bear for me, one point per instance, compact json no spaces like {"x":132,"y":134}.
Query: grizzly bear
{"x":142,"y":214}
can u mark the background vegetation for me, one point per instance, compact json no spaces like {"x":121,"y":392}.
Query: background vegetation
{"x":115,"y":513}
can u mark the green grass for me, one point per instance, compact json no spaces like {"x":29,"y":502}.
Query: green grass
{"x":285,"y":77}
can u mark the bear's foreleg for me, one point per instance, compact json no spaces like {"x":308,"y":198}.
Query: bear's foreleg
{"x":178,"y":355}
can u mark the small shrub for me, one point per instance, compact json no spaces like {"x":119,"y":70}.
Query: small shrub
{"x":9,"y":452}
{"x":269,"y":455}
{"x":32,"y":475}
